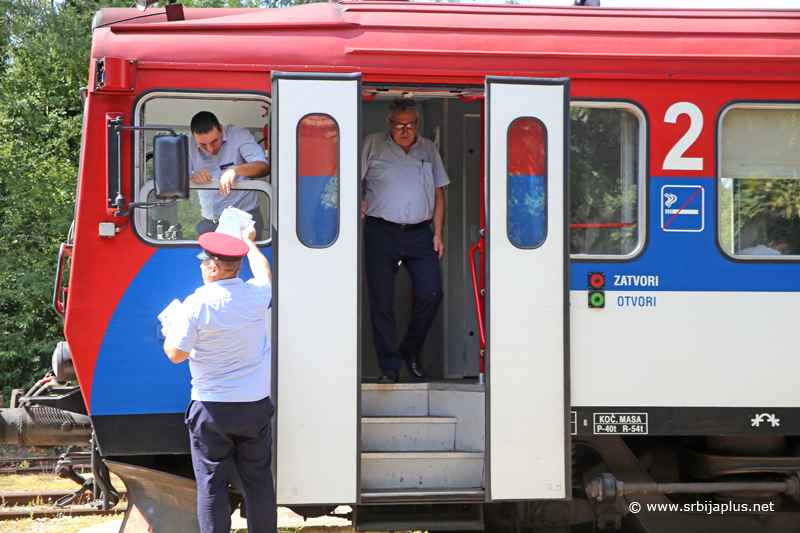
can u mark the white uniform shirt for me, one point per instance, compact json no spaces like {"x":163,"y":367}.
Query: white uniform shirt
{"x":223,"y":327}
{"x":400,"y":186}
{"x":238,"y":147}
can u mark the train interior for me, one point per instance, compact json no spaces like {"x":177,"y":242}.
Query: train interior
{"x":434,"y":432}
{"x":451,"y":350}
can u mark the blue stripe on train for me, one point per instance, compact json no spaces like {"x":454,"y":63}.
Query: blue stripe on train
{"x":687,"y":260}
{"x":132,"y":374}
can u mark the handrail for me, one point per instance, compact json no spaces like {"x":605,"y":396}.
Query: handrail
{"x":59,"y":306}
{"x":476,"y":291}
{"x":593,"y":225}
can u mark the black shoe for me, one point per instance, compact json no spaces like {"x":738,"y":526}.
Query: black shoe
{"x":389,"y":377}
{"x":414,"y":366}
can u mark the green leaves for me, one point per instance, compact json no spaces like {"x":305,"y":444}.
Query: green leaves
{"x":45,"y":57}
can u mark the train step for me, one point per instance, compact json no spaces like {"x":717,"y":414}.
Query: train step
{"x":422,"y":470}
{"x":416,"y":399}
{"x":408,"y":434}
{"x":425,"y":496}
{"x":449,"y":399}
{"x":442,"y":517}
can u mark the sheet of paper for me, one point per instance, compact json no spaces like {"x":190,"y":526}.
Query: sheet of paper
{"x":232,"y":221}
{"x":167,"y":316}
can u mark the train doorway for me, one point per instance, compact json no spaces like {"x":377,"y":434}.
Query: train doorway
{"x":506,"y":439}
{"x":523,"y":153}
{"x":451,"y":350}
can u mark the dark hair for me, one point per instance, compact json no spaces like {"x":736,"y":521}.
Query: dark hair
{"x":398,"y":105}
{"x":203,"y":122}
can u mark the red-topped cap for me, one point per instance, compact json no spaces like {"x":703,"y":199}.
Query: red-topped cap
{"x":221,"y":247}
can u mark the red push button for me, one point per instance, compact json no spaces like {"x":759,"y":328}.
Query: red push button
{"x":597,"y":281}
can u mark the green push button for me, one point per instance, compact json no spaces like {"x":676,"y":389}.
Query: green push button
{"x":597,"y":299}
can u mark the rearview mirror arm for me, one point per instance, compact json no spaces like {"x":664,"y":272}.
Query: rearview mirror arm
{"x":119,"y":202}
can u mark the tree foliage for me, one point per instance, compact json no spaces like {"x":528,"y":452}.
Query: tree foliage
{"x":598,"y":191}
{"x":44,"y":56}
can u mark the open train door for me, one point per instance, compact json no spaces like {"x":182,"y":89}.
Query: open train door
{"x":316,"y":141}
{"x":527,"y":282}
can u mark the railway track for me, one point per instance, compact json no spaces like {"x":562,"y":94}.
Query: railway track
{"x":42,"y":505}
{"x":53,"y":512}
{"x":37,"y":465}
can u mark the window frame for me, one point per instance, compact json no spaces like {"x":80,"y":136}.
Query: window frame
{"x":742,"y":104}
{"x":546,"y":179}
{"x":297,"y":181}
{"x":642,"y":179}
{"x":141,"y":187}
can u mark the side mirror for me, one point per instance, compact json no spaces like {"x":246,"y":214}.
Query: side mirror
{"x":171,"y":166}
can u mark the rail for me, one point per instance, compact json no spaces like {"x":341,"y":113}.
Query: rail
{"x":590,"y":225}
{"x":478,"y":297}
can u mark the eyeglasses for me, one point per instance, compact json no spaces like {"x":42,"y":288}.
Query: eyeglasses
{"x":401,"y":127}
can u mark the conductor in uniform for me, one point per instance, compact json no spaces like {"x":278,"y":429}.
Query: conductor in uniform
{"x":404,"y":177}
{"x":221,"y":330}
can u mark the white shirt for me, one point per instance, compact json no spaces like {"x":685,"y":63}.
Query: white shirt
{"x":401,"y":187}
{"x":224,"y":328}
{"x":238,"y":147}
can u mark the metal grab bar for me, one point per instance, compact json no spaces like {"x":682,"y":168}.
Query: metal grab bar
{"x":478,"y":299}
{"x":479,"y":308}
{"x":59,"y":306}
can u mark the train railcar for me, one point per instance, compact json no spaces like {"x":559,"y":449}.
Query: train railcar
{"x":621,"y":266}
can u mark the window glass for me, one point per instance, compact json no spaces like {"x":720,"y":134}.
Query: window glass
{"x":527,"y":183}
{"x":317,"y":181}
{"x":604,"y":181}
{"x":759,"y":186}
{"x":183,"y":220}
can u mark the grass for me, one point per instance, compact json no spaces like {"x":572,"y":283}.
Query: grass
{"x":12,"y":450}
{"x":63,"y":524}
{"x":68,"y":524}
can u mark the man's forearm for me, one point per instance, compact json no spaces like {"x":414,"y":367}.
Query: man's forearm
{"x":255,"y":169}
{"x":438,"y":213}
{"x":258,"y":263}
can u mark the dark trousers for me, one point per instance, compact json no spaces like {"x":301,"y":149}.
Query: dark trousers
{"x":207,"y":226}
{"x":386,"y":246}
{"x":223,"y":434}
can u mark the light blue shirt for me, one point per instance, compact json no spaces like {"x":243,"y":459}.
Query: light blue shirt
{"x":223,"y":326}
{"x":238,"y":147}
{"x":401,"y":187}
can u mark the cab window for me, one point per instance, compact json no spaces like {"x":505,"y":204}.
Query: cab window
{"x":182,"y":221}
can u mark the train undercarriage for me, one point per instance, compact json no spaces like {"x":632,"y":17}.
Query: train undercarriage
{"x":634,"y":483}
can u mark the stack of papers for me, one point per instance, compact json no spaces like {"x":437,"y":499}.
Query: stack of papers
{"x":233,"y":221}
{"x":168,"y":315}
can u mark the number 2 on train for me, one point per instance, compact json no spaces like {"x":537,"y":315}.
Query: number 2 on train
{"x":675,"y":159}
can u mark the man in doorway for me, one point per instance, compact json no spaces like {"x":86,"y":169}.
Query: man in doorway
{"x":404,"y":176}
{"x":227,"y":154}
{"x":221,"y":330}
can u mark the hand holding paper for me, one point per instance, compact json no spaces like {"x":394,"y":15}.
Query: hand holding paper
{"x":233,"y":221}
{"x":167,"y":316}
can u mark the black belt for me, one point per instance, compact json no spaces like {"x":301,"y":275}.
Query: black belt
{"x":401,"y":227}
